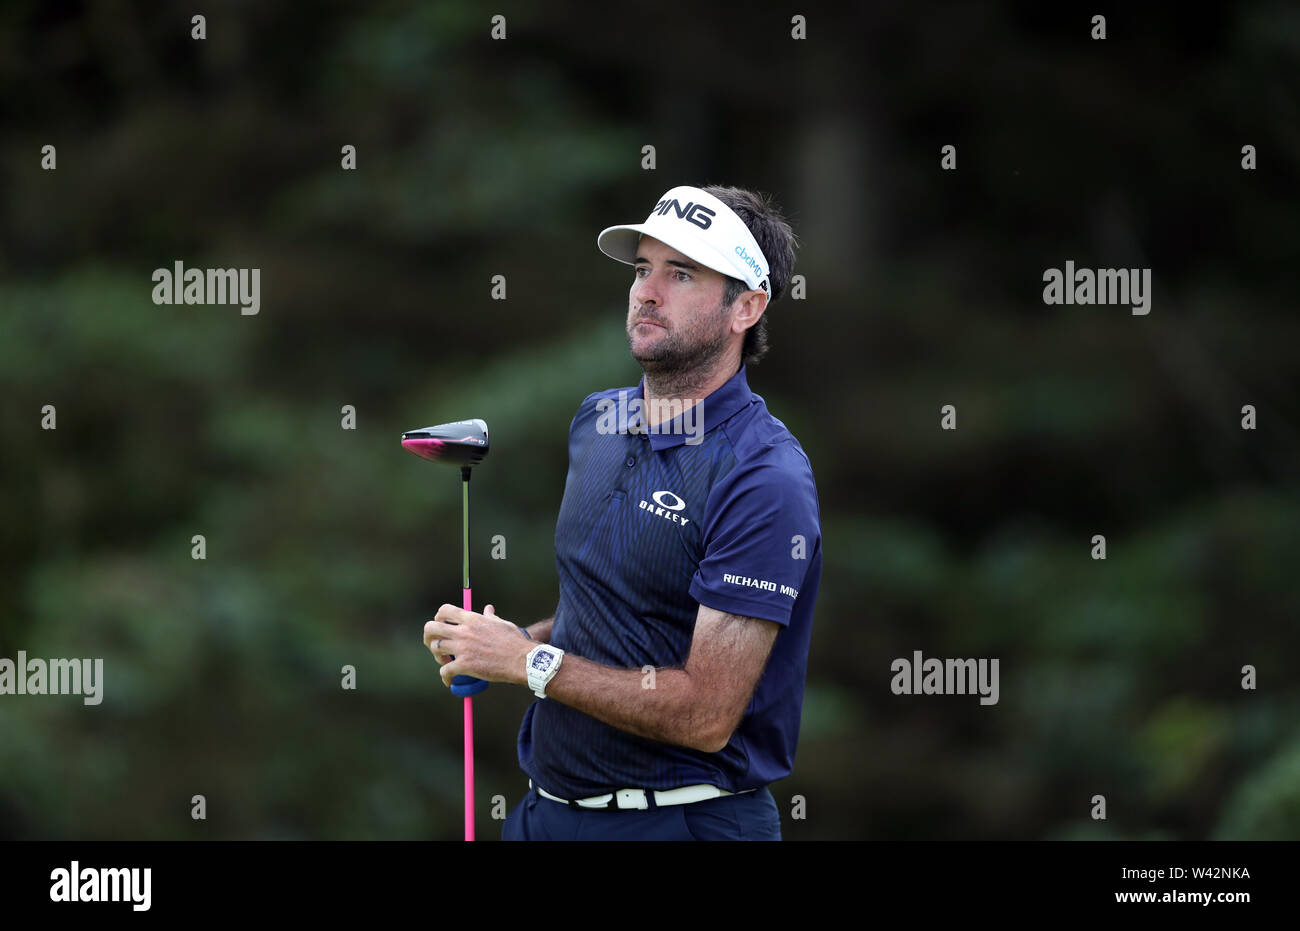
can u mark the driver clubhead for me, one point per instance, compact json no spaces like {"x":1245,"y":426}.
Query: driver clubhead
{"x":460,"y":443}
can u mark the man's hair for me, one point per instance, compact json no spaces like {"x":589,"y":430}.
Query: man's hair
{"x":778,"y":242}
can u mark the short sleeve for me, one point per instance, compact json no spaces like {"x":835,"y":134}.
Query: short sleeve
{"x":760,"y":536}
{"x":582,"y":409}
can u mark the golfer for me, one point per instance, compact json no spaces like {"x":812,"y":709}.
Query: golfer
{"x":688,"y":546}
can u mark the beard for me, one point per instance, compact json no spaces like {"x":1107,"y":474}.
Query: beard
{"x":672,"y":354}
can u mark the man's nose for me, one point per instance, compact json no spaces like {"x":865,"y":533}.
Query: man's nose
{"x":646,"y":290}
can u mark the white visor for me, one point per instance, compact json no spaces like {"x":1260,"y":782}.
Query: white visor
{"x":700,"y":227}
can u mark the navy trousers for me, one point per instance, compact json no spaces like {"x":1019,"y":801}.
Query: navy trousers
{"x":751,"y":816}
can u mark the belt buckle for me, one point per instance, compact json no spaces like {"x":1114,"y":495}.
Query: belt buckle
{"x":634,"y":799}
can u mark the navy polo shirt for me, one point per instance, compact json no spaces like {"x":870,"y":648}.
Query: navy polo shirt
{"x":721,"y":512}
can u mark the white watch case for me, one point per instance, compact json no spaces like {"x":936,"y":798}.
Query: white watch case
{"x":542,"y":663}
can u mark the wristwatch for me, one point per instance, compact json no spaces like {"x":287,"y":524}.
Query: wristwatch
{"x":542,"y":663}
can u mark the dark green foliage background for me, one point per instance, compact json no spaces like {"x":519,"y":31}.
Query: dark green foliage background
{"x":328,"y":547}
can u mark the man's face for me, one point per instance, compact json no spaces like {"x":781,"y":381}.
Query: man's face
{"x":674,"y":321}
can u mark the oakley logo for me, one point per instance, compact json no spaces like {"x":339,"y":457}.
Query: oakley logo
{"x":661,"y":507}
{"x":695,"y":213}
{"x":659,"y":500}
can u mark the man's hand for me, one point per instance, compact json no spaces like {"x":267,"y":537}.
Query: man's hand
{"x":484,"y":645}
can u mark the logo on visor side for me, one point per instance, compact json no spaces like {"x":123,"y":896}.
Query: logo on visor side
{"x":695,"y":213}
{"x":749,"y":259}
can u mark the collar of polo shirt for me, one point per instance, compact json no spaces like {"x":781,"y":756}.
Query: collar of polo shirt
{"x":700,"y":227}
{"x":717,"y":407}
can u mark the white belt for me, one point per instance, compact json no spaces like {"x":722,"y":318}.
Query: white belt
{"x":636,"y":798}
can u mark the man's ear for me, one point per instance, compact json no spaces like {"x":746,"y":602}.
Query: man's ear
{"x":750,"y":307}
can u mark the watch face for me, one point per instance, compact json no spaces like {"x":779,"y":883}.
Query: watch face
{"x":542,"y":661}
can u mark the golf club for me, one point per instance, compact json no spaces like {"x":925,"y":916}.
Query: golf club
{"x":462,"y":443}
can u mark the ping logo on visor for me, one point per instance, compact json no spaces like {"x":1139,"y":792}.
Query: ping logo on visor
{"x":695,"y":213}
{"x":700,"y":227}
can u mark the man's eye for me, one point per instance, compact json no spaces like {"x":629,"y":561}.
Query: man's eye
{"x":678,"y":273}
